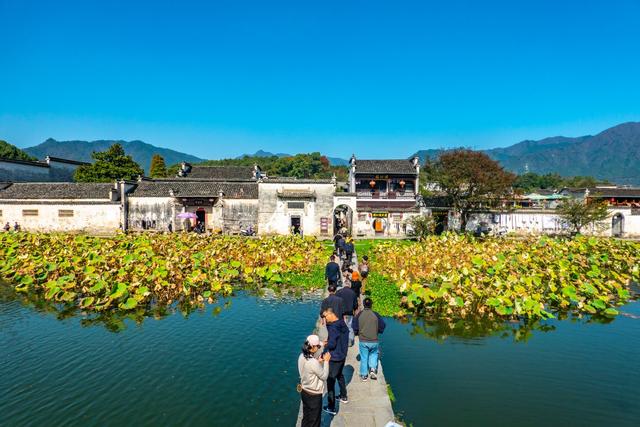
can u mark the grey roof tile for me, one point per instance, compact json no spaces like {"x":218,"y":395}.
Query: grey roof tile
{"x":56,"y":190}
{"x":401,"y":166}
{"x":231,"y":190}
{"x":222,"y":172}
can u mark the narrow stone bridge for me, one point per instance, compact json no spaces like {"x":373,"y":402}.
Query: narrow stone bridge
{"x":369,"y":403}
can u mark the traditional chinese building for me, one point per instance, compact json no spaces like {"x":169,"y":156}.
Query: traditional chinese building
{"x":386,"y":194}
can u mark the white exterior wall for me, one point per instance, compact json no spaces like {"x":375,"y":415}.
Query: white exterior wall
{"x":274,"y":215}
{"x":631,"y":222}
{"x":87,"y":217}
{"x":235,"y":215}
{"x":157,"y":210}
{"x":548,"y":222}
{"x":395,"y":224}
{"x":521,"y":222}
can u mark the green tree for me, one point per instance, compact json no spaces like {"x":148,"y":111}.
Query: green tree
{"x":470,"y":180}
{"x":310,"y":165}
{"x":531,"y":181}
{"x":108,"y":166}
{"x":579,"y":213}
{"x":158,"y":169}
{"x":9,"y":151}
{"x":422,"y":226}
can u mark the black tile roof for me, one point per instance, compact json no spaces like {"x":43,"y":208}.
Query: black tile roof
{"x":231,"y":190}
{"x":614,"y":192}
{"x":397,"y":167}
{"x":25,"y":162}
{"x":222,"y":172}
{"x":56,"y":190}
{"x":69,"y":161}
{"x":293,"y":180}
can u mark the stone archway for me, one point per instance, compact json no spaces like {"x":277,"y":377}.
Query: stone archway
{"x":617,"y":225}
{"x":343,"y":220}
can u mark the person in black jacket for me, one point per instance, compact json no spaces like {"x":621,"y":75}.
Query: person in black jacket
{"x":350,"y":300}
{"x":332,"y":271}
{"x":334,"y":302}
{"x":337,"y":345}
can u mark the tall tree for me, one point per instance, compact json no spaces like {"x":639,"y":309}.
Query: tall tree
{"x":578,"y":213}
{"x":109,"y":165}
{"x":470,"y":180}
{"x":9,"y":151}
{"x":157,"y":169}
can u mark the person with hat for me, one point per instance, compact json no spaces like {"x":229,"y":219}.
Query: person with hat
{"x":313,"y":374}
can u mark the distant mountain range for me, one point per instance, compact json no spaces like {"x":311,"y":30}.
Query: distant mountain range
{"x":81,"y":151}
{"x":613,"y":154}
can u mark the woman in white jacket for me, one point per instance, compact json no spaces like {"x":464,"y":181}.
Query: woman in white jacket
{"x":313,"y":374}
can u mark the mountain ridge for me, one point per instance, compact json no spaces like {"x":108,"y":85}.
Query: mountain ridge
{"x":81,"y":151}
{"x":613,"y":154}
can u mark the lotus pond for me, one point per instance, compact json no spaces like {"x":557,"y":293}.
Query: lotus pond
{"x":174,"y":330}
{"x":233,"y":362}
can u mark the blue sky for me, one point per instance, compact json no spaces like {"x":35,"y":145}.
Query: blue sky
{"x":378,"y":78}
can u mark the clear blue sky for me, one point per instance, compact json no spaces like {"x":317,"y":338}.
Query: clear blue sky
{"x":378,"y":78}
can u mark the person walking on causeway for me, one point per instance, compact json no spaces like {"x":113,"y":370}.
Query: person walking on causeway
{"x":336,"y":345}
{"x":367,"y":325}
{"x":313,"y":374}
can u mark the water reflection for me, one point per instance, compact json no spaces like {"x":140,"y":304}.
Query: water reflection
{"x":117,"y":320}
{"x":472,"y":331}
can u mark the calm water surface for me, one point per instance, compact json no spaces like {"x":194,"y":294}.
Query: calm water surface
{"x":576,"y":375}
{"x":236,"y":366}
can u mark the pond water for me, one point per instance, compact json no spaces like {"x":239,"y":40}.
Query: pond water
{"x":233,"y":363}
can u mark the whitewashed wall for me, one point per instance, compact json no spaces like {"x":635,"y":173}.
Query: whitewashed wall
{"x":157,"y":210}
{"x":275,"y":216}
{"x":547,"y":222}
{"x":395,"y":224}
{"x":97,"y":217}
{"x":236,"y":215}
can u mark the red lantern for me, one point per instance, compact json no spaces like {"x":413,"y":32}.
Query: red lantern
{"x":402,"y":183}
{"x":372,"y":183}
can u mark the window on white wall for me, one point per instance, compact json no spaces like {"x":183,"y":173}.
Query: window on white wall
{"x":65,"y":213}
{"x":30,"y":212}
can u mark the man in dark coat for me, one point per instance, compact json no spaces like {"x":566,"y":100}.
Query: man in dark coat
{"x":337,"y":345}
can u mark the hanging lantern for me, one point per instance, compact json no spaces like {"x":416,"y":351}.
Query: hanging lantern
{"x":402,"y":183}
{"x":372,"y":183}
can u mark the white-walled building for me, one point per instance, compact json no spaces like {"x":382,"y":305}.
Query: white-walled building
{"x":79,"y":207}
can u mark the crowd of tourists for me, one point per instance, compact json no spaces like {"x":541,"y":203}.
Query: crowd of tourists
{"x":347,"y":314}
